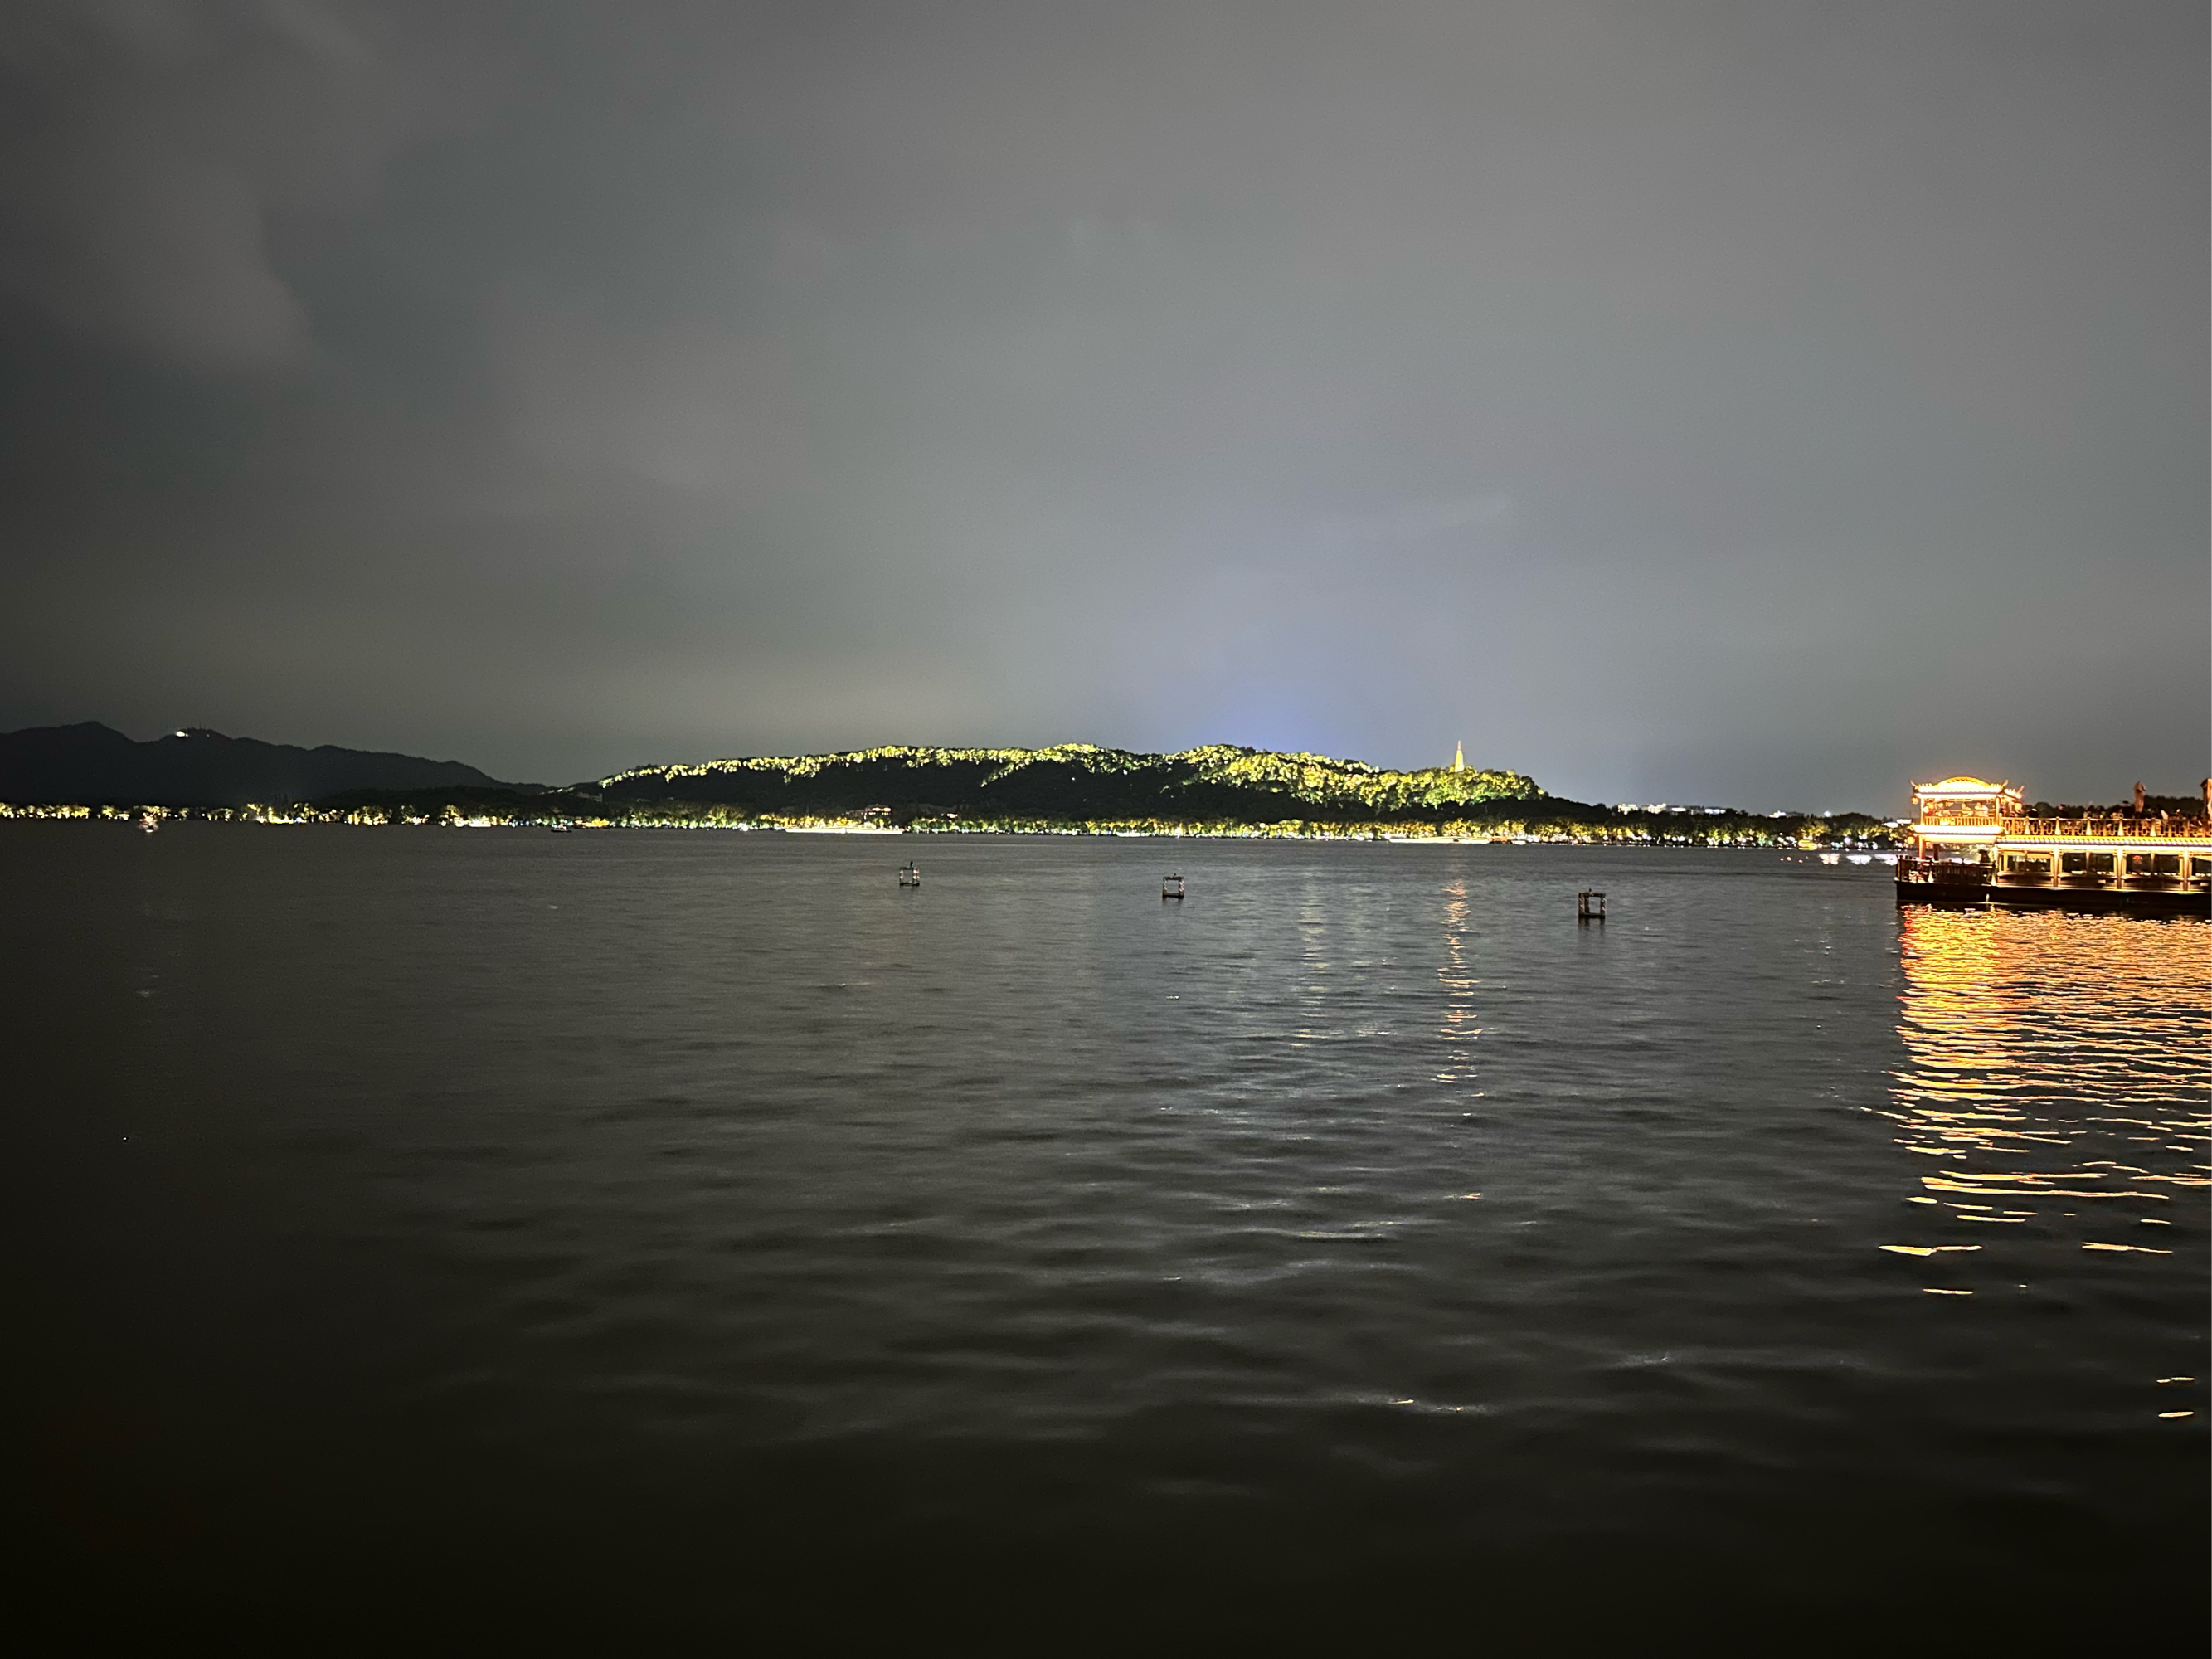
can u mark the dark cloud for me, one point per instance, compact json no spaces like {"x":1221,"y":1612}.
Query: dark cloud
{"x":1760,"y":403}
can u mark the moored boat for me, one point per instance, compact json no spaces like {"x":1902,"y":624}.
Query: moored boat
{"x":1974,"y":842}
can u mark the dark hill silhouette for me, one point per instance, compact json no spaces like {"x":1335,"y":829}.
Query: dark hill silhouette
{"x":94,"y":765}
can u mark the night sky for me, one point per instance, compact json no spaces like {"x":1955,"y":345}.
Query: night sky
{"x":1761,"y":403}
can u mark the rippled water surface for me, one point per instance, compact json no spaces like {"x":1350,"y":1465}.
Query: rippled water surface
{"x":700,"y":1233}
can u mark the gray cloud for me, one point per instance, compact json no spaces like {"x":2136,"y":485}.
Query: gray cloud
{"x":150,"y":144}
{"x":1674,"y":402}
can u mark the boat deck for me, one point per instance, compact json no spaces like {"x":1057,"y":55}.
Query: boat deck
{"x":2111,"y":898}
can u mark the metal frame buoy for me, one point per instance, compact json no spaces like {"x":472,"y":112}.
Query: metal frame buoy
{"x":1590,"y":906}
{"x":909,"y":874}
{"x":1170,"y":887}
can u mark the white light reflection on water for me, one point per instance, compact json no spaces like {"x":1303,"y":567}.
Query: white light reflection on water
{"x":1458,"y":1029}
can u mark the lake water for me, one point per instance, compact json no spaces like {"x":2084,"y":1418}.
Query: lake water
{"x":441,"y":1234}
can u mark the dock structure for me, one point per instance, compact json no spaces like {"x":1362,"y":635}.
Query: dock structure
{"x":1974,"y":842}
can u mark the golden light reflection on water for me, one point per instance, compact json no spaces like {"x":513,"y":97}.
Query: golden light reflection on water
{"x":2056,"y":1071}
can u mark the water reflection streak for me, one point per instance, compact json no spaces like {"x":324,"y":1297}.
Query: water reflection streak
{"x":2055,"y":1062}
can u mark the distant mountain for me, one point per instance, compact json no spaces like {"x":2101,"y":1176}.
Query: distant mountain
{"x":1217,"y":789}
{"x":1080,"y":787}
{"x":95,"y":765}
{"x":1075,"y":783}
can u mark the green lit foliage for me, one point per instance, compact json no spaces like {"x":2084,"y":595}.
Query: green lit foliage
{"x":1074,"y":783}
{"x":1072,"y":789}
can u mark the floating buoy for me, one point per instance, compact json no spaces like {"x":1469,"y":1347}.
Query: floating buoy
{"x":909,"y":874}
{"x":1590,"y":906}
{"x":1170,"y":887}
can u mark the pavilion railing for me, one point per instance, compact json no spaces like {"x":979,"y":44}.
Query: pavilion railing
{"x":2111,"y":829}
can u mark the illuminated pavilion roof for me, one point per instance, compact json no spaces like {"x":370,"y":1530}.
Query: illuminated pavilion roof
{"x":1964,"y":786}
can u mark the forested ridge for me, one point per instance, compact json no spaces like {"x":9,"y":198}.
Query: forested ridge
{"x":1081,"y":788}
{"x":1072,"y":783}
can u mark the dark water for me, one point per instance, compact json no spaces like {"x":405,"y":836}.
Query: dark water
{"x":460,"y":1235}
